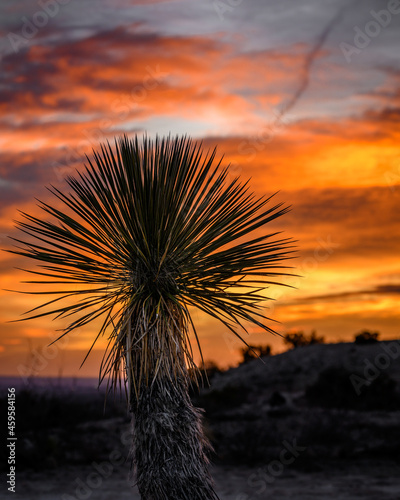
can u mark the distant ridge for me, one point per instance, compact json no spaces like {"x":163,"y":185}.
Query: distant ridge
{"x":49,"y":383}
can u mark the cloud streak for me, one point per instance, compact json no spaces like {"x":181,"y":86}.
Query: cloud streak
{"x":313,"y":53}
{"x":387,"y":289}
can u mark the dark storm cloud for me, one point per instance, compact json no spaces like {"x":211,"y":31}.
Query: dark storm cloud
{"x":362,"y":222}
{"x":387,"y":289}
{"x":27,"y":168}
{"x":347,"y":206}
{"x":41,"y":62}
{"x":25,"y":177}
{"x":11,"y":194}
{"x":388,"y":115}
{"x":100,"y":47}
{"x":23,"y":76}
{"x":66,"y":75}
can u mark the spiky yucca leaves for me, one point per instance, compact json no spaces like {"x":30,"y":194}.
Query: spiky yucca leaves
{"x":153,"y":231}
{"x":156,"y":227}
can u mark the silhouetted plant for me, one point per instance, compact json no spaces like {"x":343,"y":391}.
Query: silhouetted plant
{"x":366,"y":337}
{"x":300,"y":339}
{"x":209,"y":369}
{"x":147,"y":231}
{"x":55,"y":426}
{"x":334,"y":389}
{"x":253,"y":352}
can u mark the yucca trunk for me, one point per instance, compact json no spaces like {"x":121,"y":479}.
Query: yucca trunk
{"x":169,"y":445}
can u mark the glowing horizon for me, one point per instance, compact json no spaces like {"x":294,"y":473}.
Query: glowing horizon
{"x":272,"y":88}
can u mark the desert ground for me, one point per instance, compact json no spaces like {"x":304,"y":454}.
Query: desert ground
{"x":316,"y":422}
{"x":368,"y":479}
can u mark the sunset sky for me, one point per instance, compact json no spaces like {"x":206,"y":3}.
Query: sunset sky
{"x":303,"y":97}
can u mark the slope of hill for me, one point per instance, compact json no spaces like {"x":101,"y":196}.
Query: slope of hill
{"x":331,"y":400}
{"x":297,"y":425}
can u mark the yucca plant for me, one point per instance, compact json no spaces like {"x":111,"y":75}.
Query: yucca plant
{"x":150,"y":230}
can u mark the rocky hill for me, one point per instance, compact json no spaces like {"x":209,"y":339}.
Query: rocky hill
{"x":329,"y":400}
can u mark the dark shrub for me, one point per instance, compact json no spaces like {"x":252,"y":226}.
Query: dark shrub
{"x":335,"y":388}
{"x":253,"y":352}
{"x":366,"y":337}
{"x":300,"y":339}
{"x":246,"y":441}
{"x":228,"y":398}
{"x":277,"y":399}
{"x":209,"y":369}
{"x":51,"y":427}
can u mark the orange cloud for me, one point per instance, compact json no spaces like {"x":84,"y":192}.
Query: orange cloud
{"x":336,"y":161}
